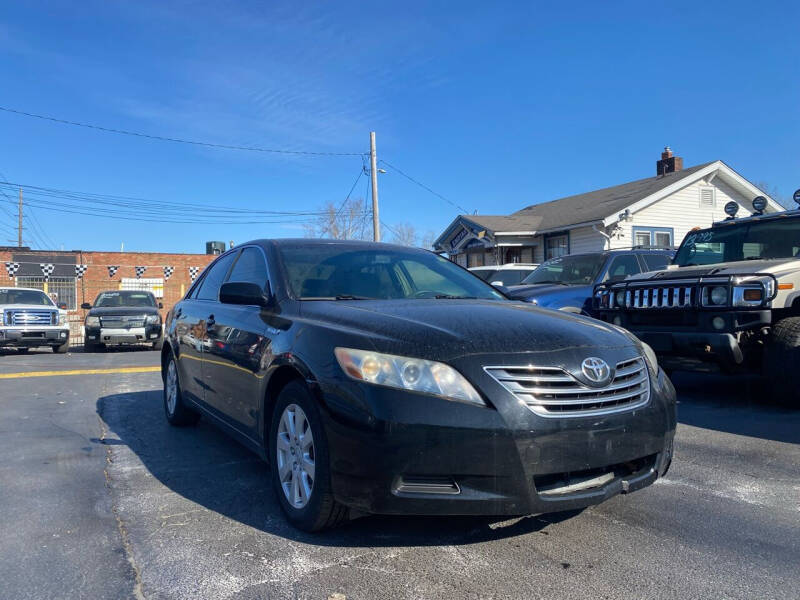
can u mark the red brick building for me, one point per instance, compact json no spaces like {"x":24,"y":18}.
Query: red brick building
{"x":77,"y":276}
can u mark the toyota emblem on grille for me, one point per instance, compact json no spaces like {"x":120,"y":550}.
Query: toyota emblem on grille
{"x":595,"y":369}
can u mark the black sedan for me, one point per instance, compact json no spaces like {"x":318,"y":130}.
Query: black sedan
{"x":383,"y":379}
{"x":121,"y":318}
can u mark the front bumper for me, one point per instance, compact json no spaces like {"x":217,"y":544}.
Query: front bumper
{"x":394,"y":452}
{"x":33,"y":337}
{"x":123,"y":336}
{"x":694,"y":343}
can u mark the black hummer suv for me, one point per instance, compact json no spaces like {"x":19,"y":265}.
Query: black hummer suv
{"x":729,"y":302}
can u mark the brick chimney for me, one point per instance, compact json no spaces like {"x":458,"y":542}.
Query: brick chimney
{"x":668,"y":163}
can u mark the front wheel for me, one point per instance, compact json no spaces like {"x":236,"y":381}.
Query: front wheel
{"x":159,"y":344}
{"x":299,"y":462}
{"x":782,"y":359}
{"x":178,"y":414}
{"x":61,"y":348}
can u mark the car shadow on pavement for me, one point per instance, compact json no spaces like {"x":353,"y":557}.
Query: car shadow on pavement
{"x":741,"y":405}
{"x":206,"y":466}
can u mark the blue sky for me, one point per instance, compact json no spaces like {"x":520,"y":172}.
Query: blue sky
{"x":494,"y":105}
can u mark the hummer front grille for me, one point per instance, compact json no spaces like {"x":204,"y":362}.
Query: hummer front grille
{"x":660,"y":297}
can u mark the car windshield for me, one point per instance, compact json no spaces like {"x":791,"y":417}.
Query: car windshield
{"x":755,"y":240}
{"x":124,"y":298}
{"x":579,"y":269}
{"x":15,"y":296}
{"x":336,"y":271}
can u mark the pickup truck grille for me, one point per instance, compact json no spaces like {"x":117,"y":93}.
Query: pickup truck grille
{"x":27,"y":317}
{"x":553,"y":392}
{"x":122,"y":321}
{"x":660,"y":297}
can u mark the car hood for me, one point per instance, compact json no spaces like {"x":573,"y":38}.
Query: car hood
{"x":123,"y":311}
{"x":446,"y":329}
{"x":28,"y":307}
{"x":539,"y":290}
{"x":777,"y":267}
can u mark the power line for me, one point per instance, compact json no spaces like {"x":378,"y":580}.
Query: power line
{"x":163,"y":138}
{"x":425,"y":187}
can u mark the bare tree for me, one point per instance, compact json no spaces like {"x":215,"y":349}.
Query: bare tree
{"x":426,"y":240}
{"x":350,"y":221}
{"x":404,"y":234}
{"x":773,"y":192}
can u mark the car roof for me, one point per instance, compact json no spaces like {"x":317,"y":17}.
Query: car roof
{"x":787,"y":214}
{"x":27,"y":289}
{"x":344,"y":244}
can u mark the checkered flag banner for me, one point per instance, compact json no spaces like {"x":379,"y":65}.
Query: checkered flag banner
{"x":80,"y":270}
{"x":139,"y":271}
{"x":47,"y":270}
{"x":193,"y":271}
{"x":12,"y":269}
{"x":168,"y":272}
{"x":112,"y":270}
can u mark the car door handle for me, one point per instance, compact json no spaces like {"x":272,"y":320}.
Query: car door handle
{"x":210,"y":322}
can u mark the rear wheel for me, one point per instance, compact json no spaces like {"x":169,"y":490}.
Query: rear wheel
{"x":23,"y":350}
{"x":782,"y":360}
{"x":61,"y":348}
{"x":178,"y":414}
{"x":300,"y":464}
{"x":159,"y":344}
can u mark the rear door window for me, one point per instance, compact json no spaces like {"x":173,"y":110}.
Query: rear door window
{"x":209,"y":287}
{"x":250,"y":268}
{"x":622,"y":266}
{"x":655,"y":262}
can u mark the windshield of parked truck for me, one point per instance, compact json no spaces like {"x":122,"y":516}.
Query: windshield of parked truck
{"x":15,"y":296}
{"x":578,"y":269}
{"x":754,"y":240}
{"x":342,"y":272}
{"x":125,"y":298}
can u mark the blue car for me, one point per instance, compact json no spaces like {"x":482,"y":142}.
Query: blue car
{"x":567,"y":282}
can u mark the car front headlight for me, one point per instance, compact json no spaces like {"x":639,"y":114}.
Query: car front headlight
{"x":62,"y":318}
{"x":153,"y":319}
{"x":650,"y":357}
{"x":92,"y":321}
{"x":413,"y":374}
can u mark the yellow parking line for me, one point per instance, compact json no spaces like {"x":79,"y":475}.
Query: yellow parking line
{"x":80,"y":372}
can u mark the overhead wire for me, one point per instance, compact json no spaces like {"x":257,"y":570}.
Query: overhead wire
{"x":164,"y":138}
{"x":424,"y":187}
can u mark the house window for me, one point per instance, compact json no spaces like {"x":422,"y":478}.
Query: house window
{"x":556,"y":245}
{"x":653,"y":237}
{"x":708,"y":197}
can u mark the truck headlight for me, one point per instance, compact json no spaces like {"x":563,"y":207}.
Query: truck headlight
{"x":152,"y":320}
{"x":92,"y":321}
{"x":62,"y":318}
{"x":715,"y":295}
{"x":619,"y":298}
{"x":413,"y":374}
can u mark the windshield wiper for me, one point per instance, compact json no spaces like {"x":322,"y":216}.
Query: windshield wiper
{"x":449,"y":297}
{"x":337,"y":297}
{"x":549,"y":281}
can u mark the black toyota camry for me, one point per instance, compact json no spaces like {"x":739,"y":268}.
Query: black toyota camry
{"x":383,"y":379}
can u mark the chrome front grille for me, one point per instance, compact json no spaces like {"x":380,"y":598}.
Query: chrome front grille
{"x":28,"y":317}
{"x":660,"y":297}
{"x":554,"y":392}
{"x":121,"y":322}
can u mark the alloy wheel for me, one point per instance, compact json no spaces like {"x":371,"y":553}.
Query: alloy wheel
{"x":172,"y":387}
{"x":295,"y":456}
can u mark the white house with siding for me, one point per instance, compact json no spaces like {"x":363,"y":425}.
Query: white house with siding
{"x":653,"y":212}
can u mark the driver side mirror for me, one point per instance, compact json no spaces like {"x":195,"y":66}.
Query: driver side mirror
{"x":62,"y":305}
{"x":245,"y":293}
{"x":86,"y":306}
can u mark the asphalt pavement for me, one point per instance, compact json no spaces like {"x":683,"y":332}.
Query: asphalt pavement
{"x":100,"y":498}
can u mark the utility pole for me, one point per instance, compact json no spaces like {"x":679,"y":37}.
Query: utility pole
{"x":19,"y":224}
{"x":373,"y":169}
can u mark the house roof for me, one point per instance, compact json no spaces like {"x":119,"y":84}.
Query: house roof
{"x":599,"y":204}
{"x":602,"y":205}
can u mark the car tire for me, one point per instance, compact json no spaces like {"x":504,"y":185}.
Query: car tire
{"x":23,"y":350}
{"x":91,"y":347}
{"x":175,"y":409}
{"x":782,"y":359}
{"x":320,"y":510}
{"x":61,"y":348}
{"x":159,"y":344}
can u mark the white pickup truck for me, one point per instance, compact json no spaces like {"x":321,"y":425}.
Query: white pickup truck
{"x":29,"y":319}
